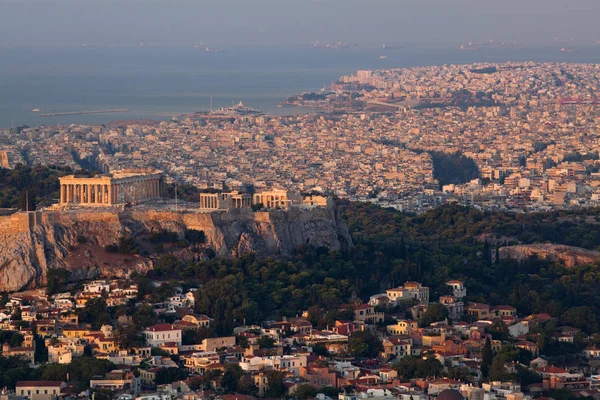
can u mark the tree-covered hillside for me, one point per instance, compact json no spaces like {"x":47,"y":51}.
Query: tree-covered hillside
{"x":39,"y":184}
{"x":391,"y":248}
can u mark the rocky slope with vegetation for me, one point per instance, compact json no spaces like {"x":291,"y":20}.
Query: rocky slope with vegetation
{"x":93,"y":243}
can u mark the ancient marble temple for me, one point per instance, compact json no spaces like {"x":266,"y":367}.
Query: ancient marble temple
{"x":120,"y":187}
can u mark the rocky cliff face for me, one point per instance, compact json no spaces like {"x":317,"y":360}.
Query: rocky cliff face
{"x":53,"y":239}
{"x":568,"y":255}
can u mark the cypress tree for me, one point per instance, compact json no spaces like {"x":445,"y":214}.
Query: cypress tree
{"x":486,"y":358}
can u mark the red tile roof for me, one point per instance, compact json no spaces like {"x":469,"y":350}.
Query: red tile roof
{"x":161,"y":328}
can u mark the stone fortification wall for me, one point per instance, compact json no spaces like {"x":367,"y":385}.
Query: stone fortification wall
{"x":16,"y":223}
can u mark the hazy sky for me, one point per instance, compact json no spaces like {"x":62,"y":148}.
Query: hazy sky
{"x":281,"y":22}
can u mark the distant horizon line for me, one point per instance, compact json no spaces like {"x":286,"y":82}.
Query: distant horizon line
{"x":352,"y":45}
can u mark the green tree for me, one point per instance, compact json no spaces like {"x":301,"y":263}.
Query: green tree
{"x":364,"y":344}
{"x":56,"y":279}
{"x":144,"y":316}
{"x":195,"y":236}
{"x":169,"y":375}
{"x":104,"y":394}
{"x":232,"y":375}
{"x":127,"y":245}
{"x":486,"y":358}
{"x":320,"y":349}
{"x":79,"y":371}
{"x":265,"y":342}
{"x":498,"y":330}
{"x":584,"y":318}
{"x":412,"y":367}
{"x":14,"y":339}
{"x":242,"y":341}
{"x":95,"y":313}
{"x":497,"y":370}
{"x":27,"y":200}
{"x":195,"y":336}
{"x":276,"y":385}
{"x":435,"y":312}
{"x":129,"y":337}
{"x":246,"y":386}
{"x":305,"y":391}
{"x":15,"y":369}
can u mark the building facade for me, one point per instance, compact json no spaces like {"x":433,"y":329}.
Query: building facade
{"x":225,"y":200}
{"x":278,"y":199}
{"x":410,"y":291}
{"x":158,"y":335}
{"x":281,"y":199}
{"x":121,"y":187}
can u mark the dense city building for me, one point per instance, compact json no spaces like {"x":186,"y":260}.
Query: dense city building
{"x":530,"y":130}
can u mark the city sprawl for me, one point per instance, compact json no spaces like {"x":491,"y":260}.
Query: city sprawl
{"x":531,"y":129}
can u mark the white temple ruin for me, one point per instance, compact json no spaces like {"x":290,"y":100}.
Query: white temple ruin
{"x":120,"y":187}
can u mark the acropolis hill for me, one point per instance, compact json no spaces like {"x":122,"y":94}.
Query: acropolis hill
{"x":74,"y":237}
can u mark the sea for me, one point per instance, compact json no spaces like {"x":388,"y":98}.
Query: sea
{"x":158,"y":82}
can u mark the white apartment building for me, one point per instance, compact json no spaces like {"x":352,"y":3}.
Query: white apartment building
{"x":410,"y":290}
{"x":157,"y":335}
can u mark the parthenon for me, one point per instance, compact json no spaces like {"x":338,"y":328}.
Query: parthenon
{"x":120,"y":187}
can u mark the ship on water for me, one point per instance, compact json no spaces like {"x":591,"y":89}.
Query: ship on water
{"x":327,"y":45}
{"x":236,"y":110}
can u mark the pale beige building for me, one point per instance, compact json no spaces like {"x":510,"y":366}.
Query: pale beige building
{"x":120,"y":187}
{"x":4,"y":163}
{"x":278,"y":199}
{"x":225,"y":200}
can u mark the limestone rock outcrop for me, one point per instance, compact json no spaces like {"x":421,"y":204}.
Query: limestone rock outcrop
{"x":30,"y":244}
{"x":569,"y":255}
